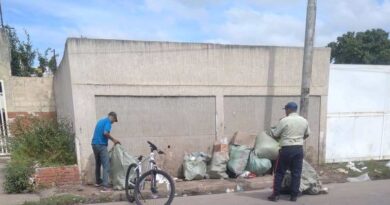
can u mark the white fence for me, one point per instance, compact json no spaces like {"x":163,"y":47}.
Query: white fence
{"x":358,"y":113}
{"x":4,"y":132}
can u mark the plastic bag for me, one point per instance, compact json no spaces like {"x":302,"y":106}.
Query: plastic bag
{"x":257,"y":165}
{"x":195,"y":167}
{"x":238,"y":159}
{"x":219,"y":165}
{"x":266,"y":147}
{"x":120,"y":161}
{"x":310,"y":183}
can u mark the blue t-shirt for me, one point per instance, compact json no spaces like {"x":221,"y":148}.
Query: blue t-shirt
{"x":102,"y":126}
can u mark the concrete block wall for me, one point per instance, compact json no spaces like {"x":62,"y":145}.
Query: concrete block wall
{"x":24,"y":95}
{"x":248,"y":85}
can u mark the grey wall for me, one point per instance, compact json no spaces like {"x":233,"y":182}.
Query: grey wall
{"x":143,"y":81}
{"x":24,"y":95}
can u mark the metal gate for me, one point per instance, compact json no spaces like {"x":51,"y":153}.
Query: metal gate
{"x":4,"y":132}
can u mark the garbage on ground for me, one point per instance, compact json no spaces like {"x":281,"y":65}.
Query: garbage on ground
{"x":363,"y":168}
{"x":258,"y":166}
{"x":341,"y":170}
{"x":388,"y":164}
{"x":351,"y":166}
{"x":247,"y":175}
{"x":241,"y":138}
{"x":266,"y":147}
{"x":219,"y":162}
{"x":120,"y":161}
{"x":239,"y":155}
{"x":229,"y":190}
{"x":361,"y":178}
{"x":310,"y":182}
{"x":378,"y":171}
{"x":195,"y":166}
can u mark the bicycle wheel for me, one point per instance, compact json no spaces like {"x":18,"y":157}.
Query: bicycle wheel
{"x":154,"y":187}
{"x":132,"y":176}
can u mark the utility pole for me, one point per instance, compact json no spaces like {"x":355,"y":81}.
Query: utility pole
{"x":1,"y":16}
{"x":308,"y":56}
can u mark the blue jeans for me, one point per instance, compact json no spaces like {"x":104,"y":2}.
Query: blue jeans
{"x":101,"y":158}
{"x":290,"y":158}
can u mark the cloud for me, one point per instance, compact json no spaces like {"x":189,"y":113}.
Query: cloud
{"x":247,"y":26}
{"x":266,"y":22}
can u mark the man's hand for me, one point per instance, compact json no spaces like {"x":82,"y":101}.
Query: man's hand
{"x":115,"y":141}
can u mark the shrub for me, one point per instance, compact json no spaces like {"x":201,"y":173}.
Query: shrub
{"x":37,"y":141}
{"x":44,"y":141}
{"x":17,"y":174}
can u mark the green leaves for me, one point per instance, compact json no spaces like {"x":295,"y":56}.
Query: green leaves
{"x":23,"y":56}
{"x":45,"y":141}
{"x":369,"y":47}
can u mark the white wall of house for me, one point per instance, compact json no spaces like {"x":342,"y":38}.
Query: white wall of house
{"x":358,"y":113}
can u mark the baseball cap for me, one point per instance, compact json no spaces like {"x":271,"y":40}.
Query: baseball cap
{"x":291,"y":106}
{"x":113,"y":114}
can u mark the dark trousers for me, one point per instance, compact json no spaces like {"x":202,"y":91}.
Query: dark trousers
{"x":101,"y":159}
{"x":290,"y":158}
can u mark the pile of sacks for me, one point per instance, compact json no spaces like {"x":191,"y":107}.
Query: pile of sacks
{"x":246,"y":153}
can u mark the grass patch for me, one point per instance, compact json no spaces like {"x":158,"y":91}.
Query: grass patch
{"x":67,"y":199}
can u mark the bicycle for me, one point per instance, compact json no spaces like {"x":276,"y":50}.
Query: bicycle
{"x":152,"y":187}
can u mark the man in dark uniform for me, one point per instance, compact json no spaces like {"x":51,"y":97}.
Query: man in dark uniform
{"x":291,"y":131}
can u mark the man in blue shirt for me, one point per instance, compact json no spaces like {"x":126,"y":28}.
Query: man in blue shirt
{"x":100,"y":139}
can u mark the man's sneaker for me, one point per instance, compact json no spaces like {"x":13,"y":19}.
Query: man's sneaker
{"x":274,"y":198}
{"x":98,"y":185}
{"x":293,"y":198}
{"x":105,"y":190}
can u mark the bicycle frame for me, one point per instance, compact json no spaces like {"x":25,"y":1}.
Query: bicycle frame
{"x":152,"y":163}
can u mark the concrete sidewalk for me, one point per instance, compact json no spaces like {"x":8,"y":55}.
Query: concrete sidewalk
{"x":363,"y":193}
{"x":12,"y":199}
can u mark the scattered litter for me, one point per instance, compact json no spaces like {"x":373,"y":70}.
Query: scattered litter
{"x":388,"y":164}
{"x":341,"y":170}
{"x":229,"y":190}
{"x":361,"y":178}
{"x":363,"y":168}
{"x":239,"y":188}
{"x":352,"y":167}
{"x":245,"y":174}
{"x":324,"y":190}
{"x":377,"y":171}
{"x":360,"y":164}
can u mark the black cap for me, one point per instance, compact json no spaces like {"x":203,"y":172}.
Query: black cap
{"x":113,"y":114}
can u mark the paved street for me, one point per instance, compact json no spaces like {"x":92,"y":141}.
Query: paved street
{"x":364,"y":193}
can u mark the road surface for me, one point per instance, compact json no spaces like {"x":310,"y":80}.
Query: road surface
{"x":359,"y":193}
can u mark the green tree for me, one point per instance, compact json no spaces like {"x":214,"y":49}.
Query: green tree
{"x":46,"y":62}
{"x":24,"y":56}
{"x":369,"y":47}
{"x":16,"y":69}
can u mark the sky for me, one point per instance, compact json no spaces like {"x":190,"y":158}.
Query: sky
{"x":248,"y":22}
